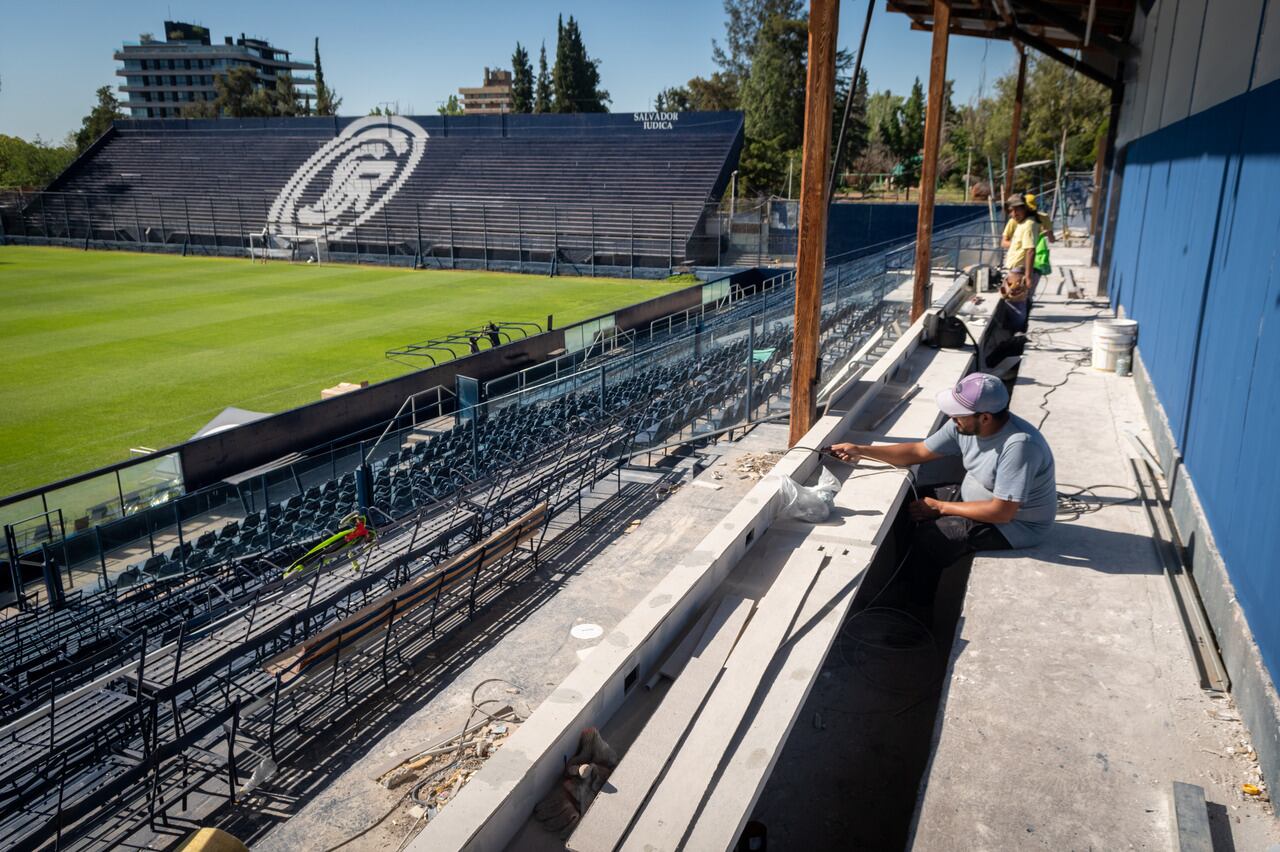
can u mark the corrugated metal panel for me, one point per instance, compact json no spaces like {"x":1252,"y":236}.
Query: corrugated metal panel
{"x":1198,"y":224}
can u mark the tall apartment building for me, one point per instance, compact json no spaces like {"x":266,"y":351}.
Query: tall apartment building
{"x":490,"y":99}
{"x":161,"y":78}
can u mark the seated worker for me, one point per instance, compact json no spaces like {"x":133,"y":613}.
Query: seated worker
{"x":1008,"y":498}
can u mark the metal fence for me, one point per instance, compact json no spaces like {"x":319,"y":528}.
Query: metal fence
{"x":608,"y":239}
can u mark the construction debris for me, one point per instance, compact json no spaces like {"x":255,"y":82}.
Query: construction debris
{"x":584,"y":775}
{"x":754,"y":466}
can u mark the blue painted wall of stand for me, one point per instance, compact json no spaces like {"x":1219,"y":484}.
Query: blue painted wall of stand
{"x":1196,"y":261}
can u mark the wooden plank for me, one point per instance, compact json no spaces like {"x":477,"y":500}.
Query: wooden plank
{"x":664,"y":820}
{"x":811,"y":252}
{"x":751,"y":761}
{"x":675,"y":662}
{"x":1193,"y":818}
{"x":929,"y":168}
{"x":616,"y":805}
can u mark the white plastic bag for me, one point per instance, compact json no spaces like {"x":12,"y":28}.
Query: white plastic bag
{"x":809,"y":503}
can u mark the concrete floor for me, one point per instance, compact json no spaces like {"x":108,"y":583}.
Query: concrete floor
{"x":1072,"y":703}
{"x":329,"y":795}
{"x":1064,"y":710}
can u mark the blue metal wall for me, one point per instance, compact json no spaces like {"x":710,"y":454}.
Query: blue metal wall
{"x":1196,"y":261}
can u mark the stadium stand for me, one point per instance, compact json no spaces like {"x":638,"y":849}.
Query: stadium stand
{"x":193,"y":663}
{"x":497,"y":191}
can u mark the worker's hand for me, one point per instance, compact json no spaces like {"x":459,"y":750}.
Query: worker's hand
{"x":850,"y":453}
{"x":925,"y":510}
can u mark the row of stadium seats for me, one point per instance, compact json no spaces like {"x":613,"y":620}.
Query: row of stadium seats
{"x":217,"y":188}
{"x":662,"y":393}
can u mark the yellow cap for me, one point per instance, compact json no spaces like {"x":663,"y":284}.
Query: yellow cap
{"x":1030,"y":198}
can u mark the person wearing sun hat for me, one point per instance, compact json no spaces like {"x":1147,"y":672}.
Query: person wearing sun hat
{"x":1008,"y":497}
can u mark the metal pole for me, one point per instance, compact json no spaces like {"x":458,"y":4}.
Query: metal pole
{"x":751,"y":354}
{"x":632,"y":257}
{"x":733,"y":202}
{"x":417,"y":223}
{"x":386,"y":231}
{"x":66,"y":217}
{"x":137,"y":222}
{"x":88,"y":216}
{"x":671,"y":237}
{"x":484,"y":226}
{"x":593,"y":242}
{"x":186,"y":210}
{"x":555,"y":238}
{"x":837,"y":160}
{"x":213,"y":223}
{"x":519,"y":238}
{"x":115,"y":230}
{"x":453,"y":264}
{"x":240,"y":219}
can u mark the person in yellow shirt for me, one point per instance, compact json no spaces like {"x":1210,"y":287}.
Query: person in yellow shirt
{"x":1045,"y":220}
{"x":1021,"y":235}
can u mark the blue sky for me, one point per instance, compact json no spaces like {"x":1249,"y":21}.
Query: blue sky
{"x":55,"y":53}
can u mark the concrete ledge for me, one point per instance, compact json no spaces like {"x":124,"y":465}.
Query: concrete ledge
{"x":497,"y":801}
{"x":1251,"y":684}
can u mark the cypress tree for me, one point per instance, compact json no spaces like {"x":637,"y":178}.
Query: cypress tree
{"x":521,"y":81}
{"x":542,"y":98}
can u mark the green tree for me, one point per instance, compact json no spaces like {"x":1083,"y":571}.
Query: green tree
{"x":575,"y":77}
{"x":672,"y":99}
{"x":1055,"y":101}
{"x":856,"y":133}
{"x":285,"y":100}
{"x":32,"y":165}
{"x":772,"y":100}
{"x":521,"y":81}
{"x":327,"y":100}
{"x":717,"y":92}
{"x":882,"y":108}
{"x":450,"y":107}
{"x":99,"y":119}
{"x":542,"y":95}
{"x":236,"y":91}
{"x":903,"y":134}
{"x":700,"y":94}
{"x":744,"y":19}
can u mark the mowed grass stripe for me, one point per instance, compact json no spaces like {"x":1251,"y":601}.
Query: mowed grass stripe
{"x":107,"y":350}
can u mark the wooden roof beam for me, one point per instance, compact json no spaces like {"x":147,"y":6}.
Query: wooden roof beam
{"x":1043,"y":45}
{"x":1074,"y":27}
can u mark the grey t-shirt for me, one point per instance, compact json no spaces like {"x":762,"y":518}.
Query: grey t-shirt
{"x":1014,"y":464}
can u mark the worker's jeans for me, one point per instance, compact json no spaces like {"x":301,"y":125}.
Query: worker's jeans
{"x":937,"y":544}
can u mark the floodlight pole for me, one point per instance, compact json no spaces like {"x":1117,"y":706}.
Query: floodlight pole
{"x":824,"y":16}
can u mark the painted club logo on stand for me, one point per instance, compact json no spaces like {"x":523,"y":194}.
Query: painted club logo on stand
{"x":345,"y":183}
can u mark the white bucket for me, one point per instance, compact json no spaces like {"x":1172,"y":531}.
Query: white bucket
{"x":1112,"y":337}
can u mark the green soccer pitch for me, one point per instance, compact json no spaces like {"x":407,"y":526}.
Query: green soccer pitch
{"x":103,"y":351}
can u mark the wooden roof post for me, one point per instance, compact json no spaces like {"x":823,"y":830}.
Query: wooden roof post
{"x":1017,"y":123}
{"x":921,"y":294}
{"x":811,"y":254}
